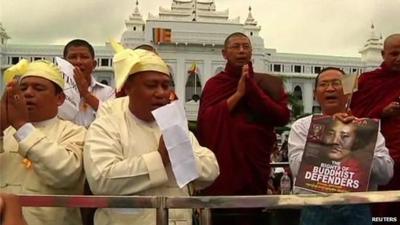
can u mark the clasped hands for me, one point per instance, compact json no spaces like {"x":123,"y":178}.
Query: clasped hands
{"x":13,"y":107}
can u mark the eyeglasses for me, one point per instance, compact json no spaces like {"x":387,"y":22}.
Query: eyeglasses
{"x":334,"y":83}
{"x":237,"y":47}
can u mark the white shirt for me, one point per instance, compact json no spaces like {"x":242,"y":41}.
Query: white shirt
{"x":121,"y":157}
{"x":113,"y":105}
{"x":382,"y":164}
{"x":44,"y":158}
{"x":86,"y":113}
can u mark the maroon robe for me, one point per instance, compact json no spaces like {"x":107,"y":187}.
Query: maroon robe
{"x":242,"y":140}
{"x":377,"y":89}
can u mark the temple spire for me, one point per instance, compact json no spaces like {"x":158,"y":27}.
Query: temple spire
{"x":373,"y":35}
{"x":371,"y":51}
{"x":137,"y":7}
{"x":250,"y":20}
{"x":135,"y":21}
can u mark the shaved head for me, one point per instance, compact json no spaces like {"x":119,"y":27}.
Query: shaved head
{"x":236,"y":34}
{"x":391,"y":52}
{"x":390,"y":39}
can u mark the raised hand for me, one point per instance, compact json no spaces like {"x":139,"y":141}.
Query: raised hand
{"x":16,"y":110}
{"x":81,"y":82}
{"x":163,"y":152}
{"x":241,"y":89}
{"x":10,"y":210}
{"x":3,"y":113}
{"x":344,"y":117}
{"x":393,"y":109}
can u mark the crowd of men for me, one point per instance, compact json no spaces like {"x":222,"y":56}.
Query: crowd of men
{"x":117,"y":147}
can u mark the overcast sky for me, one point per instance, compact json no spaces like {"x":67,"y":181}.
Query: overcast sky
{"x":329,"y":27}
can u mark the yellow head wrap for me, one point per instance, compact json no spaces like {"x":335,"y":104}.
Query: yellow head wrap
{"x":40,"y":68}
{"x":127,"y":62}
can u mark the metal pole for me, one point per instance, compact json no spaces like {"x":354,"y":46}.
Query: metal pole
{"x":205,"y":216}
{"x":195,"y":82}
{"x":162,"y":212}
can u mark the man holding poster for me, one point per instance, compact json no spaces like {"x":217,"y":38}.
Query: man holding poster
{"x":329,"y":93}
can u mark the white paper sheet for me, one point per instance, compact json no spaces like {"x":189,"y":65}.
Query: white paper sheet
{"x":172,"y":121}
{"x":70,"y":107}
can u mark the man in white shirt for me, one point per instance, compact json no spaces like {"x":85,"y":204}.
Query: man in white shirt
{"x":329,"y":93}
{"x":39,"y":153}
{"x":125,"y":152}
{"x":81,"y":55}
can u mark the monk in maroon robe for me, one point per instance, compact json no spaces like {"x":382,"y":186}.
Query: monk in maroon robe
{"x":237,"y":115}
{"x":379,"y":97}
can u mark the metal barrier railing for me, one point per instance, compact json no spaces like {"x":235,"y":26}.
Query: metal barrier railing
{"x":163,"y":203}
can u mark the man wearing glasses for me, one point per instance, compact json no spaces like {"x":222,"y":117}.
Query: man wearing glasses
{"x":329,"y":94}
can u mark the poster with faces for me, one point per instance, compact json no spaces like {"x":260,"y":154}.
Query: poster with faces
{"x":337,"y":156}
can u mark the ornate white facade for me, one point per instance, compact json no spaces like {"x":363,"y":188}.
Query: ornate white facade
{"x":197,"y":32}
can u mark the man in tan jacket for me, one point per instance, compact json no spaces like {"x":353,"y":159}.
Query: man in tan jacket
{"x":39,"y":153}
{"x":125,"y":152}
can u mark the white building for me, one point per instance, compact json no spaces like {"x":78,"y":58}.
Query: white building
{"x":193,"y":32}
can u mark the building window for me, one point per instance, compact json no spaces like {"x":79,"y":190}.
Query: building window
{"x":297,"y":69}
{"x":37,"y":58}
{"x":193,"y":87}
{"x":104,"y":62}
{"x":317,"y":69}
{"x":354,"y":70}
{"x":277,"y":68}
{"x":134,"y":28}
{"x":14,"y":60}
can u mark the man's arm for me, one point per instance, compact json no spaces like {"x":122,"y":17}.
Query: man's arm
{"x":296,"y":143}
{"x":259,"y":101}
{"x":207,"y":164}
{"x":382,"y":164}
{"x":110,"y":171}
{"x":3,"y":114}
{"x":391,"y":110}
{"x":83,"y":87}
{"x":91,"y":100}
{"x":57,"y":162}
{"x":234,"y":99}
